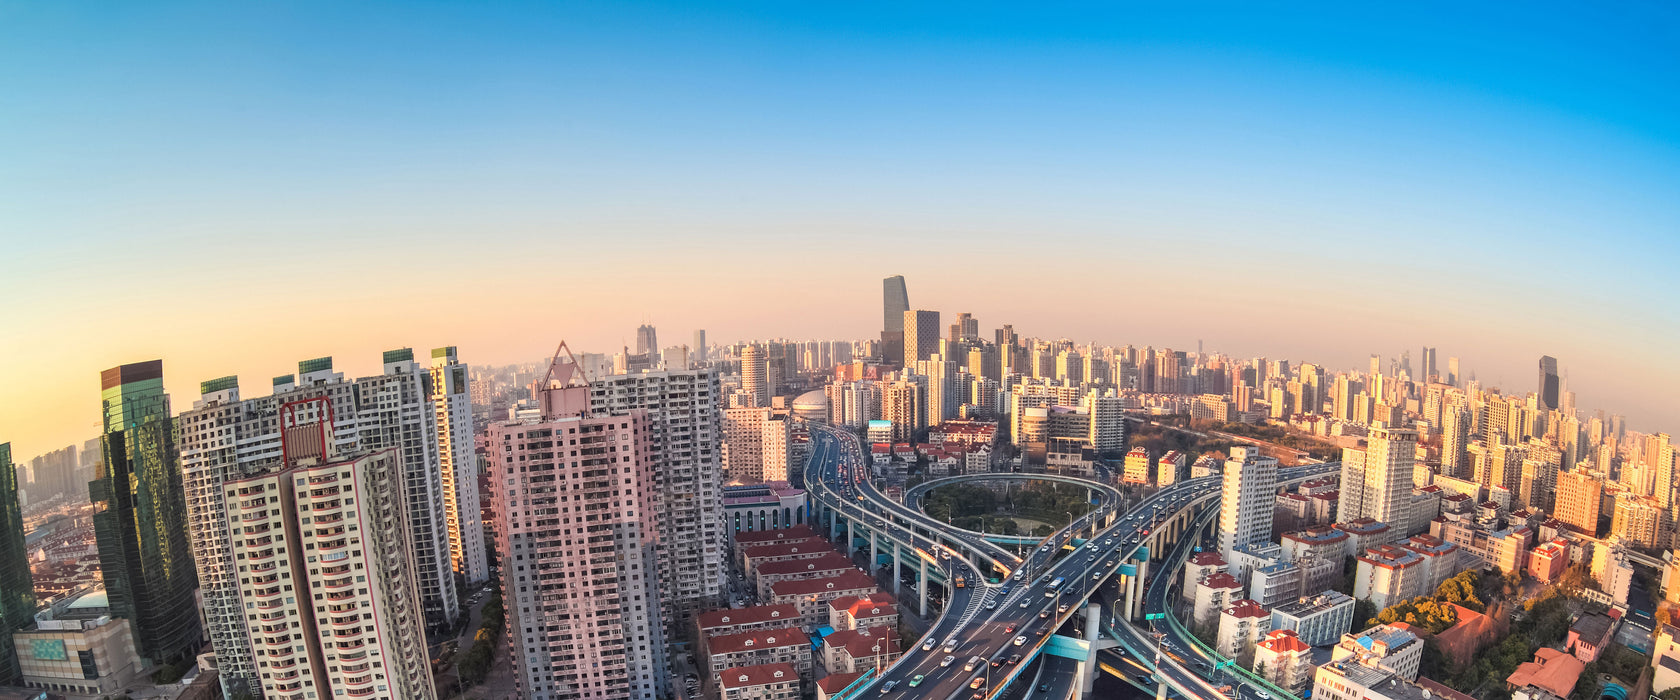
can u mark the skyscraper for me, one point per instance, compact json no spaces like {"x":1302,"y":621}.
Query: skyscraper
{"x":921,"y":335}
{"x":1548,"y":388}
{"x":579,"y":538}
{"x":1377,"y":481}
{"x":1578,"y":496}
{"x":699,"y":348}
{"x":333,"y":527}
{"x":647,"y":340}
{"x":1453,"y":376}
{"x":895,"y":300}
{"x":226,"y":437}
{"x":140,"y":516}
{"x":458,"y":465}
{"x":1246,"y":502}
{"x":17,"y":591}
{"x":752,"y":377}
{"x":684,"y":415}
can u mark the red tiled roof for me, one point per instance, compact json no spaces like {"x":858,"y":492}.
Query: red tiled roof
{"x":787,"y":533}
{"x":849,"y":581}
{"x":835,"y":682}
{"x":829,"y":561}
{"x":744,"y":676}
{"x":760,"y":639}
{"x":1221,"y":580}
{"x":1284,"y":642}
{"x":1245,"y":608}
{"x":817,"y":545}
{"x":714,"y":619}
{"x":868,"y":641}
{"x":1207,"y":559}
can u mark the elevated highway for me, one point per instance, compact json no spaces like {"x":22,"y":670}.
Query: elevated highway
{"x":1009,"y":623}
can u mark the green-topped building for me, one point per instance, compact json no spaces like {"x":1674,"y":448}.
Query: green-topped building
{"x":140,"y":517}
{"x":17,"y":591}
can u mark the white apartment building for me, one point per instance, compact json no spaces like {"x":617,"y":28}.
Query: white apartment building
{"x":683,"y":411}
{"x":1377,"y":481}
{"x":576,"y":505}
{"x":452,"y":407}
{"x":323,"y":551}
{"x":227,"y":437}
{"x":1245,"y":506}
{"x":1318,"y":620}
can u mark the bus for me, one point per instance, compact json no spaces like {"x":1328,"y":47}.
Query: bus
{"x":1050,"y":590}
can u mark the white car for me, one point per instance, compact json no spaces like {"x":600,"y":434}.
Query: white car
{"x":929,"y":644}
{"x":1021,"y":640}
{"x":991,"y":605}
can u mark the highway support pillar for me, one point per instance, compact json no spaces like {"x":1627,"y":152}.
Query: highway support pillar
{"x":898,"y":583}
{"x":874,"y":553}
{"x":833,"y":524}
{"x":851,"y":538}
{"x":1131,"y":597}
{"x":923,"y":581}
{"x":1093,"y":634}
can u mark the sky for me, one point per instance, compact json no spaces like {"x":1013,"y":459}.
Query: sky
{"x":232,"y":187}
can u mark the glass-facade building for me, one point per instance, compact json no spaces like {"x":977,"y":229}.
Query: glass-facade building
{"x":17,"y":591}
{"x":140,"y":516}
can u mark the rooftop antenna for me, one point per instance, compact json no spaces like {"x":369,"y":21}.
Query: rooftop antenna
{"x":567,"y":373}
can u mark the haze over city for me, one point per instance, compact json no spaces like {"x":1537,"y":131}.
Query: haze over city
{"x":703,"y":351}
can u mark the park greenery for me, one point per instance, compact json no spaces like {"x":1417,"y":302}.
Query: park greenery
{"x":978,"y":508}
{"x":1318,"y":449}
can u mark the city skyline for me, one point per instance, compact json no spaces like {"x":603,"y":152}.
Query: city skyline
{"x":1514,"y":179}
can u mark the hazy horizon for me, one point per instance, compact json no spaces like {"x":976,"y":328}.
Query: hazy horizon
{"x":233,"y":188}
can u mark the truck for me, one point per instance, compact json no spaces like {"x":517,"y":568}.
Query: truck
{"x":961,"y":582}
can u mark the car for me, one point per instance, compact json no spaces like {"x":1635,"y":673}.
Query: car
{"x":1146,"y":680}
{"x":976,"y":683}
{"x":1045,"y":548}
{"x":1023,"y":603}
{"x":1044,"y":687}
{"x":1017,"y":576}
{"x":948,"y":661}
{"x":991,"y":605}
{"x":917,"y":680}
{"x":950,"y":644}
{"x":888,"y":686}
{"x":1021,"y":640}
{"x":1091,"y":558}
{"x":1096,"y":576}
{"x":1043,"y":614}
{"x":1062,"y":608}
{"x":930,"y":644}
{"x":1014,"y":659}
{"x":997,"y":662}
{"x":1009,"y":629}
{"x":1263,"y":695}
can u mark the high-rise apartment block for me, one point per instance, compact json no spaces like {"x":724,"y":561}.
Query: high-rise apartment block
{"x":921,"y":335}
{"x":17,"y":591}
{"x":225,"y":437}
{"x":684,"y":416}
{"x":458,"y":466}
{"x":140,"y":516}
{"x":755,"y":445}
{"x":1245,"y":506}
{"x":326,"y":569}
{"x":1377,"y":481}
{"x":754,"y":383}
{"x":576,"y":510}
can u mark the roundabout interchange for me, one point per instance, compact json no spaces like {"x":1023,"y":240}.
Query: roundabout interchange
{"x":1004,"y":610}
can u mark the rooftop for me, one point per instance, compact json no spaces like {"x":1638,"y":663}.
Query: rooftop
{"x":1284,"y":642}
{"x":758,"y":639}
{"x":745,"y":676}
{"x":1245,"y":608}
{"x":747,"y":616}
{"x":849,"y":581}
{"x":1551,"y":670}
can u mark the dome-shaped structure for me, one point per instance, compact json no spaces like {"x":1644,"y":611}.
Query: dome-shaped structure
{"x":811,"y":406}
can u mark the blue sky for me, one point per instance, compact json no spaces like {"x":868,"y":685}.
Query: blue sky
{"x":1498,"y":180}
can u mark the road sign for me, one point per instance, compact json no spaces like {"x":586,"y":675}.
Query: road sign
{"x":1155,"y":616}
